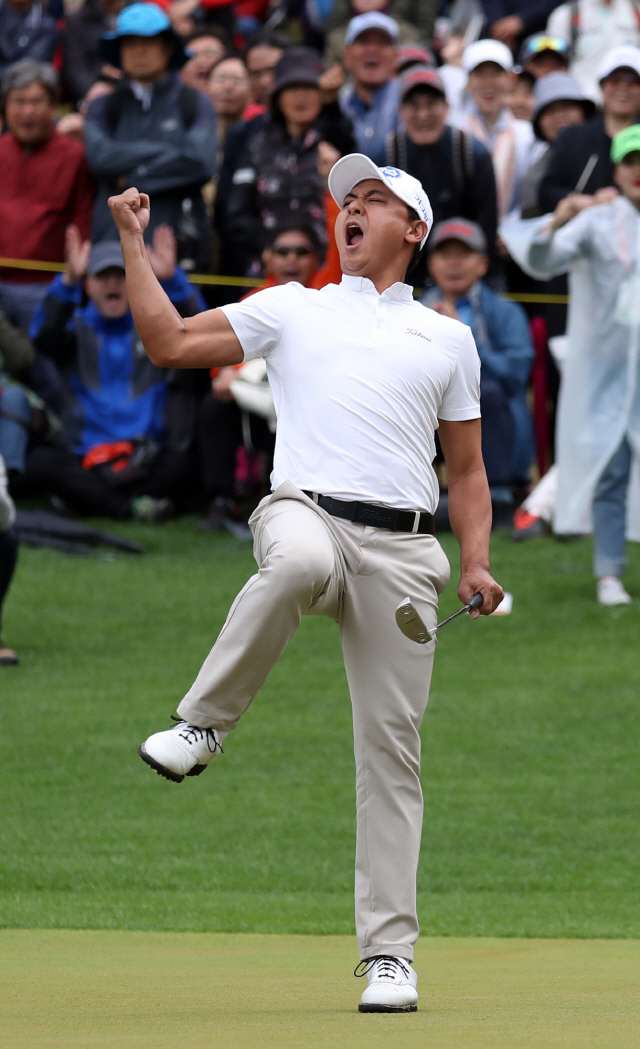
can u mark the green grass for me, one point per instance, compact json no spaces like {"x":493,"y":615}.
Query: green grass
{"x":150,"y":990}
{"x":530,"y":760}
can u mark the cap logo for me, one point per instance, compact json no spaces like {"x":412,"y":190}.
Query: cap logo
{"x":392,"y":172}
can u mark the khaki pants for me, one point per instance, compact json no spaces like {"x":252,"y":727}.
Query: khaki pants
{"x":314,"y":564}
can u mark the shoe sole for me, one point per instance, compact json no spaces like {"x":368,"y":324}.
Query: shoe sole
{"x":387,"y":1008}
{"x":163,"y":771}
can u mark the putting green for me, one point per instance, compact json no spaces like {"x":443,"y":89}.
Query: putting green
{"x":67,"y":989}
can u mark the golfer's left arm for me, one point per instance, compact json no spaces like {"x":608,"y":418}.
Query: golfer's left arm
{"x":470,"y":510}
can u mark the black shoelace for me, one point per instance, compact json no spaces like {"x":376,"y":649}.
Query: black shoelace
{"x":388,"y":966}
{"x":192,"y":734}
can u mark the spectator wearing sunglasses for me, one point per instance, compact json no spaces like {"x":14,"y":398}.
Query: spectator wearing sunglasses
{"x":592,"y":28}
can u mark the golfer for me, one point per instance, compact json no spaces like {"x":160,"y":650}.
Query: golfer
{"x":362,"y":375}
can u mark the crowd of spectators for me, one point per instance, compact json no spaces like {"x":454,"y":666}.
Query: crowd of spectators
{"x":230,"y":114}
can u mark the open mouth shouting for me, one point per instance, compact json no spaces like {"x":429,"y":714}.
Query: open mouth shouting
{"x":353,"y":233}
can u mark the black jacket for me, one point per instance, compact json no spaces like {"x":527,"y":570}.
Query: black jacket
{"x":82,"y":61}
{"x":277,"y":180}
{"x":457,"y":175}
{"x":568,"y":157}
{"x":534,"y":13}
{"x":167,"y":151}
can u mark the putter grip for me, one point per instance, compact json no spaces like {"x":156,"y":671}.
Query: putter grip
{"x":475,"y":602}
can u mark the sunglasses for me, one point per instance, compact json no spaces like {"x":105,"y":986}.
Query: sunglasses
{"x":300,"y":253}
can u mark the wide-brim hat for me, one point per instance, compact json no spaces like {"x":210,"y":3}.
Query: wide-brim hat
{"x":558,"y":87}
{"x":142,"y":20}
{"x":356,"y":167}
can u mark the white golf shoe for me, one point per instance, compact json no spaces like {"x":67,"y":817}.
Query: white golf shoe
{"x":391,"y":985}
{"x":612,"y":592}
{"x":183,"y":750}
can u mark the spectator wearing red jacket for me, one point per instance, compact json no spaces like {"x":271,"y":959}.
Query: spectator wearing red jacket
{"x":45,"y":186}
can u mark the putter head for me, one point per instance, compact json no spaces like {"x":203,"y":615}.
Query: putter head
{"x":411,"y":624}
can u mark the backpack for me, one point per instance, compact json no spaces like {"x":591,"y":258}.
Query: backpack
{"x":462,"y":149}
{"x":187,"y":103}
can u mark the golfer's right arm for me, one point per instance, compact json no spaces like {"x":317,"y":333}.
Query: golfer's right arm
{"x":171,"y":341}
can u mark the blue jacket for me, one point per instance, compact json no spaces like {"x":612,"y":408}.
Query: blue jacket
{"x":372,"y":124}
{"x":502,"y":335}
{"x":114,"y":392}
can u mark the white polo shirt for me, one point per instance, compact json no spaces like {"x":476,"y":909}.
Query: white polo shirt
{"x":359,"y":381}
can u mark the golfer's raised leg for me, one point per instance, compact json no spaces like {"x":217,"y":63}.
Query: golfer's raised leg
{"x":299,"y":573}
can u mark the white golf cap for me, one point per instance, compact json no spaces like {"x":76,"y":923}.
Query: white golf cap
{"x":355,"y":167}
{"x":371,"y":20}
{"x":487,"y":51}
{"x":625,"y":57}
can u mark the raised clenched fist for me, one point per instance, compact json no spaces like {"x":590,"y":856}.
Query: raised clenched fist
{"x":131,"y":211}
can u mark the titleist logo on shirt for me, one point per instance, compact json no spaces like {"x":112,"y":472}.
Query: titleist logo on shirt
{"x":413,"y":331}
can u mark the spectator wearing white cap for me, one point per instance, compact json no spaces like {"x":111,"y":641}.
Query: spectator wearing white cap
{"x":372,"y":96}
{"x":486,"y":116}
{"x":454,"y":168}
{"x":415,"y":20}
{"x":592,"y":28}
{"x":580,"y":158}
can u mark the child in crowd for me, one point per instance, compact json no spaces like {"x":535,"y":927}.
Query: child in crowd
{"x":458,"y":261}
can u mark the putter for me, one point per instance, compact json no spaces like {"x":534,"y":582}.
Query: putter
{"x":413,"y":627}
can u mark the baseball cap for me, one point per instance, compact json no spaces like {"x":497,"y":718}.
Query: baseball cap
{"x":625,"y":142}
{"x":466,"y":232}
{"x":413,"y":55}
{"x":487,"y":51}
{"x":624,"y":57}
{"x":355,"y":167}
{"x":538,"y":43}
{"x":558,"y":87}
{"x":141,"y":20}
{"x":421,"y":76}
{"x":371,"y":20}
{"x":104,"y":256}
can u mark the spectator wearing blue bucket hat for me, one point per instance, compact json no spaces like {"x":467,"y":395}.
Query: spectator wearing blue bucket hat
{"x":153,"y":132}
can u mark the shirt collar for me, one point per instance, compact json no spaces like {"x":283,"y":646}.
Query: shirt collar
{"x":398,"y":292}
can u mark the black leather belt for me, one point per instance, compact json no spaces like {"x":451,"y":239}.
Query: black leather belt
{"x":376,"y":516}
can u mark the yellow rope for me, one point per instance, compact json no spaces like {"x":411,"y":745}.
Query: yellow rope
{"x":249,"y":282}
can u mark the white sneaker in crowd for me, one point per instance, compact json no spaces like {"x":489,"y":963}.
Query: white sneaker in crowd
{"x":183,"y":750}
{"x":391,"y":985}
{"x":612,"y":592}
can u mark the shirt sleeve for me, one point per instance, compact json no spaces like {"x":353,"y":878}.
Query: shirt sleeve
{"x":259,"y":319}
{"x":461,"y":399}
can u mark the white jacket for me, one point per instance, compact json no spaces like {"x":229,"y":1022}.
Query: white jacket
{"x":599,"y":401}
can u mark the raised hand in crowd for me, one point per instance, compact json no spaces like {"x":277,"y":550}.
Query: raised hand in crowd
{"x":327,"y":156}
{"x":508,"y":29}
{"x":163,"y":253}
{"x":330,"y":83}
{"x":570,"y":206}
{"x":447,"y":308}
{"x":76,"y":256}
